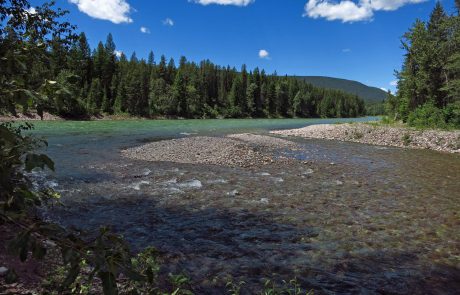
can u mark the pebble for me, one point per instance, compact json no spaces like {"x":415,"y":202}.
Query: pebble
{"x":203,"y":150}
{"x":3,"y":271}
{"x":399,"y":136}
{"x":233,"y":193}
{"x":308,"y":171}
{"x":146,"y":172}
{"x":264,"y":201}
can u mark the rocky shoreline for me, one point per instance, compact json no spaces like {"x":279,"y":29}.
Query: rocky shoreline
{"x":29,"y":117}
{"x":237,"y":150}
{"x":438,"y":140}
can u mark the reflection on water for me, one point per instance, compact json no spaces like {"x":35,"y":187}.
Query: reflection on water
{"x":346,"y":218}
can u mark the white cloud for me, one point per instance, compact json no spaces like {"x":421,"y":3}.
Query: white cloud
{"x":145,"y":30}
{"x":168,"y":22}
{"x":31,"y":10}
{"x":346,"y":11}
{"x":389,"y":5}
{"x":118,"y":53}
{"x":384,"y":89}
{"x":346,"y":50}
{"x":394,"y":83}
{"x":116,"y":11}
{"x":351,"y":11}
{"x":264,"y":54}
{"x":224,"y":2}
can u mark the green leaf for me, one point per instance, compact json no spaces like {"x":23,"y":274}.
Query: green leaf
{"x":133,"y":275}
{"x":38,"y":161}
{"x":67,"y":255}
{"x":11,"y":277}
{"x":25,"y":97}
{"x":38,"y":251}
{"x":71,"y":275}
{"x":109,"y":285}
{"x":24,"y":252}
{"x":150,"y":275}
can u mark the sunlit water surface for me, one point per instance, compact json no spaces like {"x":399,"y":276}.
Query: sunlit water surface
{"x":344,"y":219}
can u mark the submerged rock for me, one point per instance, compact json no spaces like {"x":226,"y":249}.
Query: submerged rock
{"x":3,"y":271}
{"x":308,"y":171}
{"x":137,"y":186}
{"x":194,"y":183}
{"x":264,"y":201}
{"x":233,"y":193}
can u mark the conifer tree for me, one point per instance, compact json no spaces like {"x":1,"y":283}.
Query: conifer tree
{"x":95,"y":97}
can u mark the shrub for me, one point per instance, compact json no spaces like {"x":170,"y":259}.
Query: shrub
{"x":452,"y":114}
{"x":427,"y":115}
{"x":406,"y":139}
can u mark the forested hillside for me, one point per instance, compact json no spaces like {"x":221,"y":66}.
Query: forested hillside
{"x":367,"y":93}
{"x":98,"y":81}
{"x":429,"y":82}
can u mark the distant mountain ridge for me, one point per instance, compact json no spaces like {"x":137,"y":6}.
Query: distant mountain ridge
{"x":367,"y":93}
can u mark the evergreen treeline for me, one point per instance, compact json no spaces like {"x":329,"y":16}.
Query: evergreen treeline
{"x":93,"y":82}
{"x":429,"y":82}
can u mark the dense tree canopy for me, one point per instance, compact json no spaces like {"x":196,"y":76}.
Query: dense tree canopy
{"x":429,"y":82}
{"x":98,"y":81}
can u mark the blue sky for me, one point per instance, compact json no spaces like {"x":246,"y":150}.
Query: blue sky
{"x":353,"y":40}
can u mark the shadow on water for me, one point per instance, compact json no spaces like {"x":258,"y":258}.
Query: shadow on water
{"x":378,"y":221}
{"x":216,"y":246}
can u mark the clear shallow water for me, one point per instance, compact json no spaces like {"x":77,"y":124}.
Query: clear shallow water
{"x":72,"y":143}
{"x":377,"y":221}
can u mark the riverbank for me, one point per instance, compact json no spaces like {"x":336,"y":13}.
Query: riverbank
{"x":360,"y":217}
{"x":397,"y":136}
{"x":29,"y":117}
{"x":33,"y":116}
{"x":340,"y":217}
{"x":236,"y":150}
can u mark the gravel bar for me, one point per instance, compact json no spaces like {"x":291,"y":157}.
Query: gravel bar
{"x":438,"y":140}
{"x":239,"y":150}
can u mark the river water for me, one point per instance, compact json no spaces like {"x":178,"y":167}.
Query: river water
{"x":344,"y":218}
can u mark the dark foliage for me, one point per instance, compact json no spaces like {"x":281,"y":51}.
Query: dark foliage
{"x":429,"y":82}
{"x":74,"y":81}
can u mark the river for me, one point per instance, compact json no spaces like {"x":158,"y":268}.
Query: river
{"x":346,"y":218}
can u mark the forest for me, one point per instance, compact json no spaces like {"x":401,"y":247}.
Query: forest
{"x":86,"y":82}
{"x":429,"y":81}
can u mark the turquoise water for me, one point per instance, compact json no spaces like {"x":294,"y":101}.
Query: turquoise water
{"x":72,"y":143}
{"x":345,"y":218}
{"x":146,"y":127}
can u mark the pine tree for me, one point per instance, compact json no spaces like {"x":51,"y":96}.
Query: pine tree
{"x":109,"y":69}
{"x":180,"y":93}
{"x":95,"y":97}
{"x":236,"y":98}
{"x":162,"y":71}
{"x":270,"y":104}
{"x":452,"y":66}
{"x":258,"y":104}
{"x":171,"y":71}
{"x":437,"y":55}
{"x":282,"y":97}
{"x":251,"y":93}
{"x":140,"y":87}
{"x":151,"y":59}
{"x":133,"y":59}
{"x":79,"y":59}
{"x":99,"y":59}
{"x":297,"y":104}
